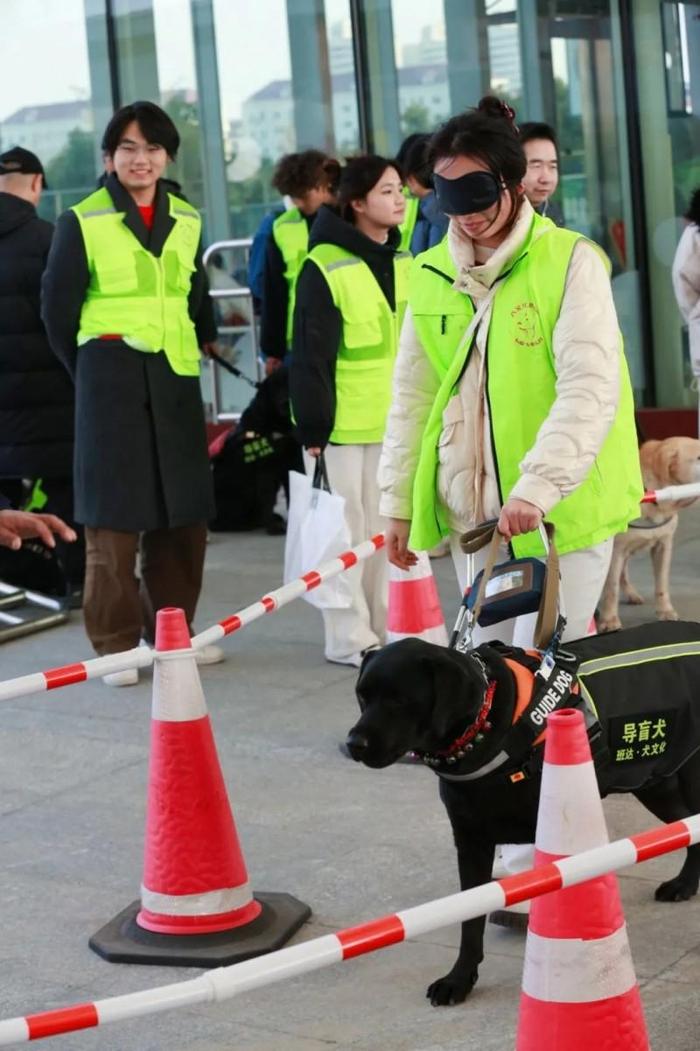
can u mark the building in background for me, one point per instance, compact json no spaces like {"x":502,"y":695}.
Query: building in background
{"x":618,"y":79}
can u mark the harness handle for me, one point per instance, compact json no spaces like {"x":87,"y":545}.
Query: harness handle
{"x":547,"y":614}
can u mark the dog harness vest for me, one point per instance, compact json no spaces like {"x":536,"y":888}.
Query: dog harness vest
{"x":133,"y":292}
{"x":519,"y":358}
{"x":369,"y":341}
{"x":650,"y":728}
{"x":520,"y":753}
{"x":290,"y":233}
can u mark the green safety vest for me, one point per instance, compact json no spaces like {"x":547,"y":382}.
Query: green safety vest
{"x":521,"y":388}
{"x":291,"y":234}
{"x":369,"y":341}
{"x":409,"y":221}
{"x":131,"y":292}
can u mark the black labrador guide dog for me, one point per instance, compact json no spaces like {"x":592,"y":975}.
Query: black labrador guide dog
{"x":465,"y":715}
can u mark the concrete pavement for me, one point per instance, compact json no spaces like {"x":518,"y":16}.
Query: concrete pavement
{"x":351,"y":842}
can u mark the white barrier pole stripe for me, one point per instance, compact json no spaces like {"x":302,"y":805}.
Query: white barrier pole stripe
{"x":135,"y":1005}
{"x":441,"y":913}
{"x":143,"y":656}
{"x":275,"y":967}
{"x":580,"y":867}
{"x":672,"y":492}
{"x":226,"y":982}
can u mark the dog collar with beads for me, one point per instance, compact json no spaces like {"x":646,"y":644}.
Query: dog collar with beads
{"x":465,"y":743}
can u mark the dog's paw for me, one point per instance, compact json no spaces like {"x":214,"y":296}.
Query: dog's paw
{"x":633,"y":598}
{"x":608,"y":624}
{"x":667,"y":614}
{"x":452,"y":989}
{"x":677,"y":889}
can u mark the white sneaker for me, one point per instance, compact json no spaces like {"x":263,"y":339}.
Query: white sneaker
{"x":209,"y":655}
{"x":127,"y":677}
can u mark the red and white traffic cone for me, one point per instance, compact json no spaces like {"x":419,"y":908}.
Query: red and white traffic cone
{"x":579,"y":987}
{"x":197,"y":907}
{"x":414,"y":605}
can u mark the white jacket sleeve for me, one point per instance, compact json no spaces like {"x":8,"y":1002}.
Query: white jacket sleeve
{"x":415,"y":388}
{"x":586,"y":346}
{"x":686,"y":274}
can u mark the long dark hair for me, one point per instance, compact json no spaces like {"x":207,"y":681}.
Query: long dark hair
{"x":358,"y":177}
{"x":489,"y":133}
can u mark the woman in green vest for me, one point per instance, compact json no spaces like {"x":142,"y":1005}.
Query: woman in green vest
{"x":350,"y":300}
{"x":126,"y":307}
{"x":512,"y":399}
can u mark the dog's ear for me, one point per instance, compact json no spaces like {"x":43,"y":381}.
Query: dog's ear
{"x":452,"y":685}
{"x":366,"y":660}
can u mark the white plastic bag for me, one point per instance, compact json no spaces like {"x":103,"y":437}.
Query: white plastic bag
{"x":316,"y":532}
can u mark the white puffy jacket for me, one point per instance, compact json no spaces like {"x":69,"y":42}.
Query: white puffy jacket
{"x":586,"y":344}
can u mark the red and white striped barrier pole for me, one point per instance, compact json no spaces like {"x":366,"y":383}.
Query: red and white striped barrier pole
{"x":288,"y":592}
{"x":226,"y":982}
{"x":143,"y":656}
{"x":672,"y":492}
{"x":68,"y":674}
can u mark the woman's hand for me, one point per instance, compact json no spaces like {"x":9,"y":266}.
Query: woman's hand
{"x":315,"y":451}
{"x":397,"y":552}
{"x":518,"y":516}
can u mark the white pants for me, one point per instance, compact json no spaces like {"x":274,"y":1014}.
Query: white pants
{"x":583,"y":574}
{"x":352,"y":473}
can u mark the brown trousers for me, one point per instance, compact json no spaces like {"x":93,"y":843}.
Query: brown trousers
{"x":119,"y":608}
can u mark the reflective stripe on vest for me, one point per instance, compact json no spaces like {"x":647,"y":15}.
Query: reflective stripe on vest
{"x":409,"y":222}
{"x":521,"y":389}
{"x":365,"y":362}
{"x":291,"y":235}
{"x":132,"y":292}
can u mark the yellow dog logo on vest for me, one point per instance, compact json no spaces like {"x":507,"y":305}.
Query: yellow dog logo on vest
{"x":527,"y":325}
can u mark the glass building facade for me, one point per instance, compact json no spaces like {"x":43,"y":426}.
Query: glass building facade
{"x":246,"y":82}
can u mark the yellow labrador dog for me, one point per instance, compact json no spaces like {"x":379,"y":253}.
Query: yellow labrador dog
{"x":674,"y":461}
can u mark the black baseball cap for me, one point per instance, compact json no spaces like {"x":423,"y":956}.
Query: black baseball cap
{"x":21,"y":161}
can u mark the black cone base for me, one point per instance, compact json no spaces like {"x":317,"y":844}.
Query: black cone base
{"x":123,"y":941}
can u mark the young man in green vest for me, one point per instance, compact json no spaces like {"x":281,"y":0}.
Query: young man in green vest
{"x":308,"y":179}
{"x":126,"y":307}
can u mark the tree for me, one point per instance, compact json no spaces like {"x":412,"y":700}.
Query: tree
{"x":415,"y":118}
{"x":74,"y":167}
{"x":187,"y":169}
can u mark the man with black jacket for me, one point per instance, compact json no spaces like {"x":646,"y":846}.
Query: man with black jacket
{"x":36,"y":392}
{"x":126,"y":306}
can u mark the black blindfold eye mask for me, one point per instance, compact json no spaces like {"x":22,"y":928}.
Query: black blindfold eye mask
{"x":474,"y":192}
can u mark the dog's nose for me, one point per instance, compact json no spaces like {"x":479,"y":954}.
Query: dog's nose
{"x":357,"y":745}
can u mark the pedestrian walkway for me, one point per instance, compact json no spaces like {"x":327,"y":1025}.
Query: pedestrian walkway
{"x":352,"y":842}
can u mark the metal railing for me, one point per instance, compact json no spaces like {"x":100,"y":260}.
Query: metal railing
{"x":249,"y":363}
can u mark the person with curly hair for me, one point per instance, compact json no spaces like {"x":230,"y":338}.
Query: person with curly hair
{"x":308,"y":179}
